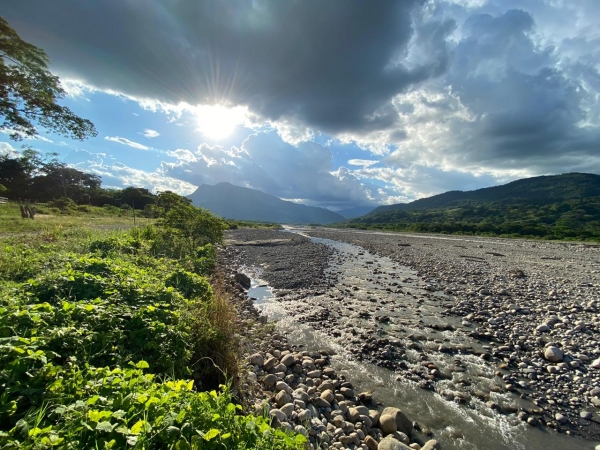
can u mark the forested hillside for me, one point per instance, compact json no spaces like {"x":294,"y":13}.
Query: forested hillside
{"x":552,"y":207}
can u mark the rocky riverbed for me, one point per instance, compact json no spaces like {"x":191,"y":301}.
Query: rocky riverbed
{"x":497,"y":326}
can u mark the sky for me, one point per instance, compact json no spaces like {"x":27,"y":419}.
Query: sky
{"x":337,"y":104}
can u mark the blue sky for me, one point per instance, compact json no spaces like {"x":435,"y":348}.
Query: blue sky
{"x":375,"y":103}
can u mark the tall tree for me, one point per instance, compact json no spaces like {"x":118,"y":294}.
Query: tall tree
{"x":29,"y":92}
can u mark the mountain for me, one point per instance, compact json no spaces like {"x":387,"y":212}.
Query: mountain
{"x":235,"y":202}
{"x":563,"y":206}
{"x":358,"y":211}
{"x":542,"y":189}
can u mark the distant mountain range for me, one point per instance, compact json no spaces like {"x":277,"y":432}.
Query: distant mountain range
{"x":555,"y":207}
{"x":235,"y":202}
{"x":358,"y":211}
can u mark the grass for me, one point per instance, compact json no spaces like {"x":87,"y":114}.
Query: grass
{"x":50,"y":218}
{"x":119,"y":339}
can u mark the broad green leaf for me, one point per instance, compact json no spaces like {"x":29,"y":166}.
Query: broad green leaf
{"x":104,"y":426}
{"x":137,"y":428}
{"x":142,"y":365}
{"x":211,"y":434}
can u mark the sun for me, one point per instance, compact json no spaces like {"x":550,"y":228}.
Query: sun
{"x":217,"y":121}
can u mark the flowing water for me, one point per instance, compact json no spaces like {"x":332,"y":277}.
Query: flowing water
{"x":373,"y":287}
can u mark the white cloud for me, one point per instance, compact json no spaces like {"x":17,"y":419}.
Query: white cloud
{"x":125,"y":141}
{"x":362,"y":162}
{"x":148,"y":133}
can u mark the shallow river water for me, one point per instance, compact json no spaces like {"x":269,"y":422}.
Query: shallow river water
{"x":377,"y":286}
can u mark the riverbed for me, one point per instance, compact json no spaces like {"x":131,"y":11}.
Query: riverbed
{"x":395,"y":330}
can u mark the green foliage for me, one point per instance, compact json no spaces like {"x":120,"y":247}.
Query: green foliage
{"x":29,"y":92}
{"x":125,"y":407}
{"x":555,"y":207}
{"x":96,"y":339}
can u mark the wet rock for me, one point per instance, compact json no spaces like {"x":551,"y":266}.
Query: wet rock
{"x":242,"y":280}
{"x":431,"y":445}
{"x":402,"y":423}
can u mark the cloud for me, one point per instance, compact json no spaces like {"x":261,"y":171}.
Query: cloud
{"x":119,"y":175}
{"x":444,"y":94}
{"x":304,"y":172}
{"x":148,"y":133}
{"x":362,"y":162}
{"x":125,"y":141}
{"x":334,"y":63}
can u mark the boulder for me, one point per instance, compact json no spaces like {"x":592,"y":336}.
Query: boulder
{"x":431,"y":445}
{"x":242,"y":280}
{"x":389,"y":443}
{"x":402,"y":423}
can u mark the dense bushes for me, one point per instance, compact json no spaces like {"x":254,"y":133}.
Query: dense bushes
{"x":99,"y":338}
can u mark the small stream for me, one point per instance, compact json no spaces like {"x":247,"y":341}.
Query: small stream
{"x":374,"y":296}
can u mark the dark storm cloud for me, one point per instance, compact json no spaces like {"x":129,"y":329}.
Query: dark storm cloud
{"x":507,"y":102}
{"x":330,"y":64}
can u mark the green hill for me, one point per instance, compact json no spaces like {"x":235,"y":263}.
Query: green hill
{"x":563,"y":206}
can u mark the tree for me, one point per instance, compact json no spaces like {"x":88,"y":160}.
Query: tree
{"x":29,"y":92}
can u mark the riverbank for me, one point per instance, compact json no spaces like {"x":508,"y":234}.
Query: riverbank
{"x":428,"y":340}
{"x":300,"y":388}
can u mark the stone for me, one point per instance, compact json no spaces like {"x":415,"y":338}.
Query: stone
{"x":283,"y":386}
{"x":553,"y":354}
{"x":304,"y":416}
{"x":282,"y":398}
{"x":399,"y":436}
{"x":314,"y":374}
{"x":242,"y":280}
{"x":389,"y":443}
{"x":270,"y":380}
{"x":321,"y":403}
{"x":328,"y":395}
{"x":560,"y":418}
{"x":287,"y":360}
{"x":595,"y":364}
{"x":287,"y":409}
{"x":543,"y":328}
{"x":387,"y":424}
{"x":402,"y":423}
{"x":270,"y":363}
{"x":374,"y":415}
{"x":300,"y":394}
{"x":257,"y":359}
{"x":586,"y":415}
{"x":347,"y":392}
{"x":280,"y":416}
{"x":371,"y":443}
{"x":432,"y":444}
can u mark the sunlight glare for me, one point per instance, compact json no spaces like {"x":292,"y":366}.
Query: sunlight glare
{"x":218,"y":122}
